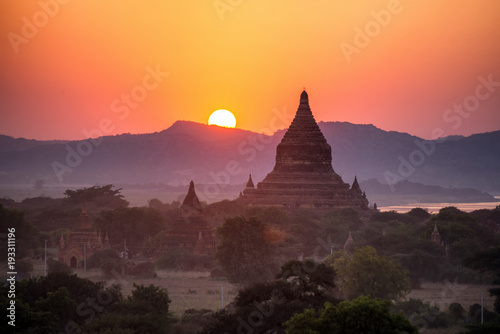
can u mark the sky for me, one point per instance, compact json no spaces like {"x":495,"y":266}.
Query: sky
{"x":72,"y":69}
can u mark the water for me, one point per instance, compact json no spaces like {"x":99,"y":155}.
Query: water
{"x":435,"y":207}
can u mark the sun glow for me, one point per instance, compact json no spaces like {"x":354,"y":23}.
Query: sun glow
{"x":222,"y":117}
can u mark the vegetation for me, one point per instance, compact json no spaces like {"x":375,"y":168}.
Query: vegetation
{"x":101,"y":195}
{"x":24,"y":231}
{"x":244,"y":251}
{"x":367,"y":273}
{"x":184,"y":260}
{"x":137,"y":225}
{"x":49,"y":304}
{"x":65,"y":303}
{"x":97,"y":259}
{"x":145,"y":311}
{"x":393,"y":252}
{"x":264,"y":307}
{"x":362,"y":315}
{"x":486,"y":261}
{"x":423,"y":315}
{"x":58,"y":267}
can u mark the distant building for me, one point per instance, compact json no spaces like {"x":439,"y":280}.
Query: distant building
{"x":81,"y":242}
{"x":191,"y":232}
{"x":303,"y":175}
{"x":349,"y":244}
{"x":435,"y":236}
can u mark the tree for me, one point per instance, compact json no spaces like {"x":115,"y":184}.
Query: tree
{"x":422,"y":314}
{"x":264,"y":307}
{"x":59,"y":304}
{"x":48,"y":304}
{"x":100,"y":257}
{"x":362,"y":315}
{"x":308,"y":276}
{"x":136,"y":225}
{"x":26,"y":234}
{"x":244,"y":252}
{"x":421,"y":265}
{"x":102,"y":195}
{"x":488,"y":261}
{"x":58,"y":267}
{"x":145,"y":311}
{"x":367,"y":273}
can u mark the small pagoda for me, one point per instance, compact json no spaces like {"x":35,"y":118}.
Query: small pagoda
{"x":81,"y":242}
{"x":190,"y":232}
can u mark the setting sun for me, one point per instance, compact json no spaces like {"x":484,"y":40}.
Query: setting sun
{"x":222,"y":117}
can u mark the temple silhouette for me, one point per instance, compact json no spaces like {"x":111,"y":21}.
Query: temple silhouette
{"x":81,"y":242}
{"x":303,"y":175}
{"x":190,"y":232}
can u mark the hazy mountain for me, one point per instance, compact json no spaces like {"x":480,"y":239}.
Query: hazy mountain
{"x":208,"y":154}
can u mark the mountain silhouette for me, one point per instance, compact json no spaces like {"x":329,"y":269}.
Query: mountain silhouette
{"x":209,"y":154}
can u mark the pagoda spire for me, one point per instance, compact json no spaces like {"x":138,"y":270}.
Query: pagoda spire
{"x":84,"y":208}
{"x":348,"y":243}
{"x":250,"y":182}
{"x":191,"y":201}
{"x":61,"y":242}
{"x":355,"y":186}
{"x":84,"y":221}
{"x":435,"y":236}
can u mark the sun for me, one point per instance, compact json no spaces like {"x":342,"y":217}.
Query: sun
{"x":222,"y":117}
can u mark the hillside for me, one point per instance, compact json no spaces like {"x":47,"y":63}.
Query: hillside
{"x":207,"y":154}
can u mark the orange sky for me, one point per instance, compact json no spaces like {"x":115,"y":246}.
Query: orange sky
{"x":252,"y":57}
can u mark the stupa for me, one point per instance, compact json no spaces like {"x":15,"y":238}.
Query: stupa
{"x":190,"y":232}
{"x":303,"y":175}
{"x":81,"y":242}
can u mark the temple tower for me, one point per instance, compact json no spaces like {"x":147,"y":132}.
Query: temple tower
{"x":190,"y":231}
{"x":435,"y":236}
{"x":81,"y":241}
{"x":303,"y":175}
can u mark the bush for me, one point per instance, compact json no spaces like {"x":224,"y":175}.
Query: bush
{"x":97,"y":259}
{"x":475,"y":314}
{"x":144,"y":270}
{"x":184,"y":260}
{"x":111,"y":269}
{"x":422,"y":314}
{"x":58,"y":267}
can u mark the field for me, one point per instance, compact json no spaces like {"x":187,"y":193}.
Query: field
{"x":197,"y":290}
{"x":185,"y":289}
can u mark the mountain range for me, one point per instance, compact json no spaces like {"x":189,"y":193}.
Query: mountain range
{"x":213,"y":155}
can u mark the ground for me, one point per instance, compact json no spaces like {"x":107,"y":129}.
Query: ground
{"x":197,"y":290}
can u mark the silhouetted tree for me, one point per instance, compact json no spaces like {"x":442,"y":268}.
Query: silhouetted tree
{"x":104,"y":196}
{"x":362,"y":315}
{"x":244,"y":252}
{"x":367,"y":273}
{"x":264,"y":307}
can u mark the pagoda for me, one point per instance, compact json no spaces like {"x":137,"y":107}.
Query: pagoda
{"x":190,"y":232}
{"x":81,"y":242}
{"x":303,"y":175}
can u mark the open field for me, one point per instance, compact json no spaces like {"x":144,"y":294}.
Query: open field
{"x":197,"y":290}
{"x":443,"y":294}
{"x":186,"y":289}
